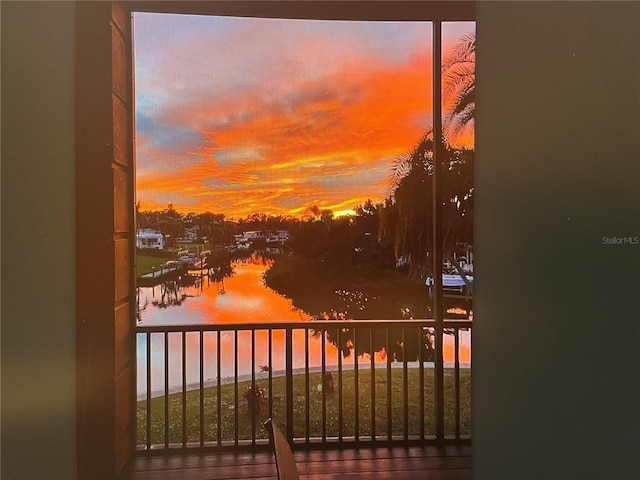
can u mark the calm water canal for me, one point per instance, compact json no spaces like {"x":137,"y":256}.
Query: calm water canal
{"x":241,"y":298}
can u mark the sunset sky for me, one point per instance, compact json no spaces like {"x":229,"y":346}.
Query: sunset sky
{"x":240,"y":116}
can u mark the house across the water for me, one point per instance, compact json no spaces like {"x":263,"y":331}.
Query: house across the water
{"x":149,"y":238}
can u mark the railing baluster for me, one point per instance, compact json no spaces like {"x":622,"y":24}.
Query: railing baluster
{"x":435,"y":382}
{"x":405,"y":384}
{"x":235,"y":381}
{"x":289,"y":381}
{"x":201,"y":388}
{"x":184,"y":389}
{"x":373,"y":386}
{"x":306,"y":385}
{"x":457,"y":377}
{"x":340,"y":413}
{"x":389,"y":380}
{"x":439,"y":381}
{"x":356,"y":390}
{"x":322,"y":382}
{"x":270,"y":373}
{"x":218,"y":389}
{"x":148,"y":432}
{"x":166,"y":390}
{"x":421,"y":378}
{"x":253,"y":386}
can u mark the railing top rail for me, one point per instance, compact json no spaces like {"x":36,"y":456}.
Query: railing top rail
{"x":316,"y":324}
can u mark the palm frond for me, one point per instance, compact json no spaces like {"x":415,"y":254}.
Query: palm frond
{"x":457,"y":123}
{"x":463,"y":98}
{"x":459,"y":74}
{"x":458,"y":86}
{"x":405,"y":162}
{"x":463,"y":51}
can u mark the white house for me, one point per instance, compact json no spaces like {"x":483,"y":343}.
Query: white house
{"x":148,"y":238}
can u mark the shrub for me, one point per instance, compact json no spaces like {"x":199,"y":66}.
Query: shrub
{"x":254,"y":396}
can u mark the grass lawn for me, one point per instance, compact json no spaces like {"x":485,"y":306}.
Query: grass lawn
{"x":229,"y":407}
{"x":145,"y":264}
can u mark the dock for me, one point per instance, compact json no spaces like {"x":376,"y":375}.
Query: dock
{"x":159,"y":276}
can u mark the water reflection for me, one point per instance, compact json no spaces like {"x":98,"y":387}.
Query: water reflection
{"x":398,"y":343}
{"x":238,"y":295}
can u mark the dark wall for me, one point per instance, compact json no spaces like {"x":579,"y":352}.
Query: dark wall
{"x":38,"y":241}
{"x":556,"y":377}
{"x":556,"y":366}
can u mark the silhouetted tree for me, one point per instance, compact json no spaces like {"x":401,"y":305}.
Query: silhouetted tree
{"x":406,"y":219}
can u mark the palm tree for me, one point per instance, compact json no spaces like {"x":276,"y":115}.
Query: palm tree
{"x":405,"y":220}
{"x":403,"y":217}
{"x":459,"y":86}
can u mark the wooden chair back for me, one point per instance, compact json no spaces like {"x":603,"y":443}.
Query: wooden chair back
{"x":285,"y":463}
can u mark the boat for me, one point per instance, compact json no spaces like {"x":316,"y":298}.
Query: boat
{"x":452,"y":281}
{"x":454,"y":285}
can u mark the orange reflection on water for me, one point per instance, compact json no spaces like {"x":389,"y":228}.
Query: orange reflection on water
{"x":242,"y":299}
{"x":464,"y":350}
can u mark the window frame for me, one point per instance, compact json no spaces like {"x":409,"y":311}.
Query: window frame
{"x":105,"y":210}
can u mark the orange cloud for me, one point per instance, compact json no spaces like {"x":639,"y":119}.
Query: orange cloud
{"x":312,"y":150}
{"x":300,"y":140}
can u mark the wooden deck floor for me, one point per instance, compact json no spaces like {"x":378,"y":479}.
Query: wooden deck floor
{"x":398,"y":463}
